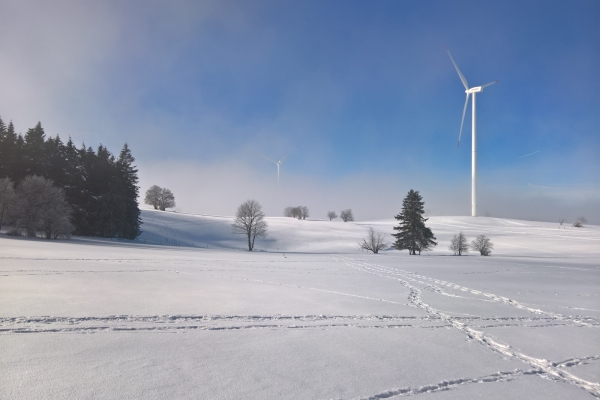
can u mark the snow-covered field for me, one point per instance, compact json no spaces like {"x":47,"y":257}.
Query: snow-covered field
{"x":184,"y":312}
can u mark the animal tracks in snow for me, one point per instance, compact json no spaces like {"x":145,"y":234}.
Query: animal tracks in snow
{"x":416,"y":283}
{"x":182,"y":323}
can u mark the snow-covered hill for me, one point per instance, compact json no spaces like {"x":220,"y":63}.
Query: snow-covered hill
{"x":511,"y":237}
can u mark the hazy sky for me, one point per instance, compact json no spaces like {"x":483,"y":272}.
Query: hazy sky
{"x":365,"y":90}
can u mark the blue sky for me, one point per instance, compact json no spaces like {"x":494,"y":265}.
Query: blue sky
{"x":365,"y":90}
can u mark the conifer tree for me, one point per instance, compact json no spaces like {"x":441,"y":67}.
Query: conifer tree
{"x":101,"y":191}
{"x":34,"y":151}
{"x":3,"y":150}
{"x":412,"y":234}
{"x":127,"y":172}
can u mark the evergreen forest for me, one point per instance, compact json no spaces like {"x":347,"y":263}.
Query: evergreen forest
{"x":101,"y":189}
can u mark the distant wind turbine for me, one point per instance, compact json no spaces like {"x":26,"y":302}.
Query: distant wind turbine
{"x":473,"y":90}
{"x":279,"y":162}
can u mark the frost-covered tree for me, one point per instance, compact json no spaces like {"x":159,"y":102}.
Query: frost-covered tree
{"x":153,"y":196}
{"x":167,"y":200}
{"x":43,"y":206}
{"x":459,"y":245}
{"x":374,"y":241}
{"x":483,"y":245}
{"x":249,"y":221}
{"x":412,"y":234}
{"x":331,"y":215}
{"x":159,"y":198}
{"x":7,"y":198}
{"x":346,"y":215}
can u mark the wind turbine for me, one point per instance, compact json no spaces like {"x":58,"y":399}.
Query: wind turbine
{"x":470,"y":90}
{"x":279,"y":162}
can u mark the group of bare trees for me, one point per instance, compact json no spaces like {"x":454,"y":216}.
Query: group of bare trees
{"x":345,"y":215}
{"x":35,"y":205}
{"x":160,"y":198}
{"x":300,"y":212}
{"x":482,"y":244}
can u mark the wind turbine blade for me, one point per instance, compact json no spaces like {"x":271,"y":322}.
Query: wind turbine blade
{"x":488,"y":84}
{"x":463,"y":119}
{"x":462,"y":77}
{"x":288,"y":154}
{"x":267,"y":158}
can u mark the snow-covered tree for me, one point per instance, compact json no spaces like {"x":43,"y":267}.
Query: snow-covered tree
{"x":7,"y":198}
{"x":249,"y":221}
{"x":153,"y":196}
{"x":331,"y":215}
{"x":159,"y":198}
{"x":43,"y":206}
{"x":412,"y":234}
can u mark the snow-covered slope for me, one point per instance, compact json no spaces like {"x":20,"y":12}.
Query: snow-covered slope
{"x":308,"y":317}
{"x":510,"y":237}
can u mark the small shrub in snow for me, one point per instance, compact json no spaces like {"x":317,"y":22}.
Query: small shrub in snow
{"x":578,"y":224}
{"x":459,"y":245}
{"x":483,"y":245}
{"x":374,"y":241}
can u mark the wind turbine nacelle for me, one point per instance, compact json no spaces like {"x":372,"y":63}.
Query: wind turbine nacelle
{"x":475,"y":89}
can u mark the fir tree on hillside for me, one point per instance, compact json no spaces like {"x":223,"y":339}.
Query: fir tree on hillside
{"x":412,"y":234}
{"x":130,"y":227}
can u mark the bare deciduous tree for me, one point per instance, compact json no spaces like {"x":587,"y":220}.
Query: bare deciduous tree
{"x":159,"y":198}
{"x":346,"y":215}
{"x":249,"y":221}
{"x":300,"y":212}
{"x":579,"y":222}
{"x":561,"y":220}
{"x":331,"y":215}
{"x":43,"y":206}
{"x":483,"y":245}
{"x":304,"y":212}
{"x":374,"y":241}
{"x":459,"y":244}
{"x":7,"y":198}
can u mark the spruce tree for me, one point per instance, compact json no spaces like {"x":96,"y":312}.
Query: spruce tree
{"x":3,"y":150}
{"x":127,"y":174}
{"x":34,"y":151}
{"x":412,"y":234}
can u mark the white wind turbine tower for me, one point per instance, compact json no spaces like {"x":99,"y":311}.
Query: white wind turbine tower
{"x":473,"y":90}
{"x":279,"y":162}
